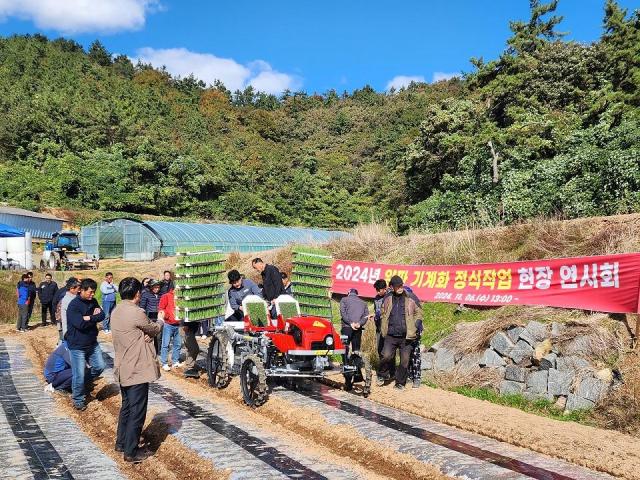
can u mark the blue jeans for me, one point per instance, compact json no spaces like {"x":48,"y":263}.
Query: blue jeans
{"x":79,"y":359}
{"x":170,"y":332}
{"x":107,"y":306}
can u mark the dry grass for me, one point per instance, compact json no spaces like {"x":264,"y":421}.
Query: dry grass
{"x":8,"y":296}
{"x":281,"y":258}
{"x":473,"y":337}
{"x":596,"y":337}
{"x":543,"y":238}
{"x":622,"y":408}
{"x":367,"y":243}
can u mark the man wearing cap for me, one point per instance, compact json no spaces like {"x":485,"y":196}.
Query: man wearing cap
{"x":401,"y":323}
{"x":240,"y":289}
{"x":149,"y":302}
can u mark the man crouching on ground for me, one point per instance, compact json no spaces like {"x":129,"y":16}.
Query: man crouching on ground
{"x":135,"y":366}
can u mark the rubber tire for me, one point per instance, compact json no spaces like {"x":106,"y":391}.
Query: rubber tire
{"x":258,"y":395}
{"x":217,"y":347}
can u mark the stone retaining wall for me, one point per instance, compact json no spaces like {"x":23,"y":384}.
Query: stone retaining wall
{"x":529,"y":362}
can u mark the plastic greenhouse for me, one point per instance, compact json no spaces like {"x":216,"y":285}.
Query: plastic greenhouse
{"x":135,"y":240}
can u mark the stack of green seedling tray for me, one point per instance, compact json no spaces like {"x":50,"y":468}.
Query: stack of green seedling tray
{"x":311,"y":280}
{"x":200,"y":284}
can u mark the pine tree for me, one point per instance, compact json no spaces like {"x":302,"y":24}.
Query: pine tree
{"x":99,"y":54}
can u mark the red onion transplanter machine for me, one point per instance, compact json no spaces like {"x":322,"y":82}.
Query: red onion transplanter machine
{"x":265,"y":352}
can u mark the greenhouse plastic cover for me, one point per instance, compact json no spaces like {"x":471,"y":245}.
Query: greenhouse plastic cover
{"x":242,"y":237}
{"x":146,"y":240}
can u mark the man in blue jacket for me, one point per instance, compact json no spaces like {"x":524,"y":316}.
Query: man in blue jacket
{"x":240,"y":289}
{"x":23,"y":304}
{"x":83,"y":316}
{"x":57,"y":370}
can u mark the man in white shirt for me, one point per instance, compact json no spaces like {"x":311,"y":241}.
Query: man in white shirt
{"x":109,"y":291}
{"x":73,"y":288}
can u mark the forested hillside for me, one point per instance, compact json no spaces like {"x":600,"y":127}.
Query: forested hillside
{"x":550,"y":128}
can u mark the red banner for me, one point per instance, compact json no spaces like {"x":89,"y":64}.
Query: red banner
{"x":608,"y":283}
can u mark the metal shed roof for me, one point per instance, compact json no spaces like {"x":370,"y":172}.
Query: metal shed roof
{"x":28,"y":213}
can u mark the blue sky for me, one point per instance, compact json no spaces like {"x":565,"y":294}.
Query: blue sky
{"x":308,"y":45}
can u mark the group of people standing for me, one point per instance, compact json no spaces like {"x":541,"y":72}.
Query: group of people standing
{"x":27,"y":293}
{"x":398,"y":320}
{"x":146,"y":312}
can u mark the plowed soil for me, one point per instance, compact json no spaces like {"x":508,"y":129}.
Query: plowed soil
{"x":602,"y":450}
{"x":306,"y":431}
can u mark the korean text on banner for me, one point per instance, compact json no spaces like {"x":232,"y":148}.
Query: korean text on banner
{"x":608,"y":283}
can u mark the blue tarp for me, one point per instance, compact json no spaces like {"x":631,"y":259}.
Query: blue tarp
{"x":9,"y":231}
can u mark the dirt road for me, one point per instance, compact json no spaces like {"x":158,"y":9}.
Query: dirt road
{"x":197,"y":432}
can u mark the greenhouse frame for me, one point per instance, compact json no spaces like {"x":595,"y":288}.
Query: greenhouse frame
{"x":135,"y":240}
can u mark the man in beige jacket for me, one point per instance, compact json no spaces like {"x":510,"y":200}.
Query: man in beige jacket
{"x":135,"y":366}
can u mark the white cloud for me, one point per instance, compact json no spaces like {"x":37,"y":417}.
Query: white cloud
{"x":440,"y":76}
{"x":207,"y":67}
{"x":204,"y":66}
{"x":270,"y":81}
{"x":75,"y":16}
{"x":400,"y":81}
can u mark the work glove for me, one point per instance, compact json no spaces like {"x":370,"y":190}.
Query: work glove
{"x":419,"y":327}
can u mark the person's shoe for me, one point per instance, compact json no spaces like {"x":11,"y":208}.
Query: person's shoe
{"x":399,"y":387}
{"x":82,"y":407}
{"x":166,"y":367}
{"x":203,"y":337}
{"x":140,"y":456}
{"x":107,"y":332}
{"x":178,"y":365}
{"x":380,"y":381}
{"x":49,"y":388}
{"x":192,"y":373}
{"x":416,"y":383}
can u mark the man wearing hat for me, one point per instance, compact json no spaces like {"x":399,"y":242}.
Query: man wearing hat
{"x":149,"y":302}
{"x":400,"y":325}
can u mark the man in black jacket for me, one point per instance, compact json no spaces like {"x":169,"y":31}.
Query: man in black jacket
{"x":47,"y":291}
{"x":167,"y":283}
{"x":83,"y":315}
{"x":272,"y":286}
{"x":33,"y":293}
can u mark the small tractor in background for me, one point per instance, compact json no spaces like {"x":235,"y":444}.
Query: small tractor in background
{"x":266,"y":352}
{"x":63,"y":252}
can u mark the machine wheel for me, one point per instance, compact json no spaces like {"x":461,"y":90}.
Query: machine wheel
{"x":43,"y":266}
{"x":217,"y":370}
{"x":253,"y":381}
